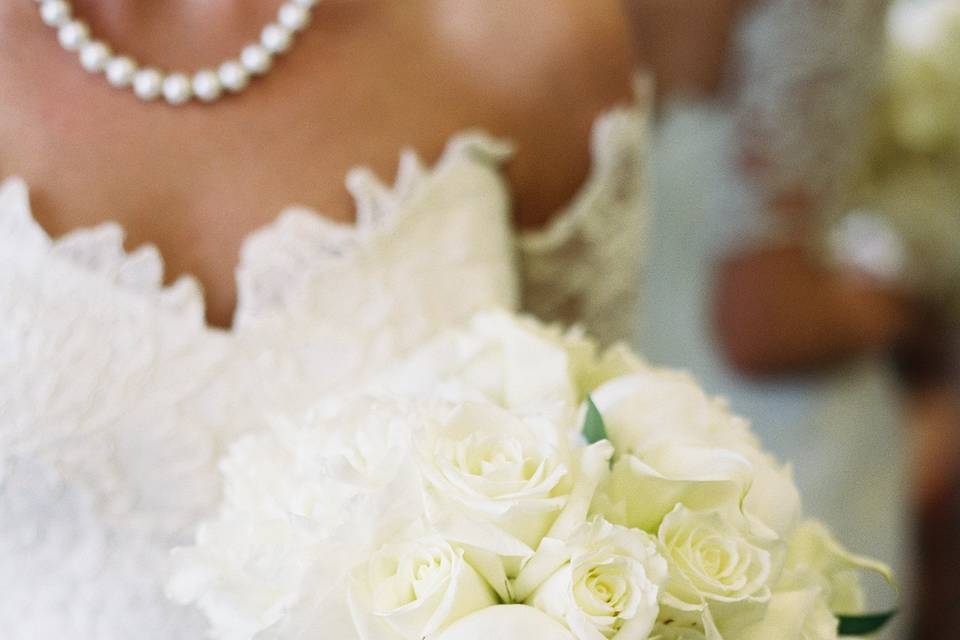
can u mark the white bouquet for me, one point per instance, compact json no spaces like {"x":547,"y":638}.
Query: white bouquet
{"x":510,"y":482}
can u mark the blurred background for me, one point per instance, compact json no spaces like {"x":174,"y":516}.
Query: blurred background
{"x":804,"y":257}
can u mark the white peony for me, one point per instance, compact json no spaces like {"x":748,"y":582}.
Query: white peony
{"x":411,"y":590}
{"x":609,"y":587}
{"x":304,"y":504}
{"x":243,"y":573}
{"x":513,"y":362}
{"x":507,"y":361}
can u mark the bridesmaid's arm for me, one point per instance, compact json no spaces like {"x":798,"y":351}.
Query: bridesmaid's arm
{"x":778,"y":310}
{"x":798,"y":117}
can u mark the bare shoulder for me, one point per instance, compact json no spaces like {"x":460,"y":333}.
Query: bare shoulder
{"x":517,"y":46}
{"x":548,"y":69}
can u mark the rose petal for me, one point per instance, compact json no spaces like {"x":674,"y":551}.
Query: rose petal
{"x":506,"y":622}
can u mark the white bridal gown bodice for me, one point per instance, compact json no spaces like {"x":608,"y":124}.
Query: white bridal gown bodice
{"x":116,"y":399}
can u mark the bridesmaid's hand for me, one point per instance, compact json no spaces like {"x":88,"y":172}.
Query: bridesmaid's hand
{"x":685,"y":43}
{"x":777,"y":311}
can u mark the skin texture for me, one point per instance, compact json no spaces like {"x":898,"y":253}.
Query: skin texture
{"x":685,"y":41}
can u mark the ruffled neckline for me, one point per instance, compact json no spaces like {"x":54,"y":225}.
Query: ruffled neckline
{"x":380,"y":208}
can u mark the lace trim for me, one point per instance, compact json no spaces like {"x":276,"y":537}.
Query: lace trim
{"x":617,"y":137}
{"x":97,"y":250}
{"x":279,"y":258}
{"x":809,"y":71}
{"x":298,"y":242}
{"x":584,"y":267}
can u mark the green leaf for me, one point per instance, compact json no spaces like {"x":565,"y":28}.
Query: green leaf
{"x":862,"y":625}
{"x":594,"y":429}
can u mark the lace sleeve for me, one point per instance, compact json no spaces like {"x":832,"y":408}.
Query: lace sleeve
{"x":808,"y":70}
{"x":585,"y":267}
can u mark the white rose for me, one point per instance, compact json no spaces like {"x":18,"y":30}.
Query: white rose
{"x":820,"y":578}
{"x":673,"y":631}
{"x":504,"y":474}
{"x":674,"y":444}
{"x":506,"y":622}
{"x":609,"y":587}
{"x":589,"y":366}
{"x":719,"y":572}
{"x":795,"y":615}
{"x":411,"y":590}
{"x":642,"y":490}
{"x":816,"y":559}
{"x":498,"y":484}
{"x":650,"y":407}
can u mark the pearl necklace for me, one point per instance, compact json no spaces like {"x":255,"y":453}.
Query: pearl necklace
{"x":206,"y":85}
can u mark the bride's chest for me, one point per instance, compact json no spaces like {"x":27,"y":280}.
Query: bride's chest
{"x":197,"y":183}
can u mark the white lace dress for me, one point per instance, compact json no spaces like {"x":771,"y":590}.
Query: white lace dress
{"x":807,"y":71}
{"x":116,"y":399}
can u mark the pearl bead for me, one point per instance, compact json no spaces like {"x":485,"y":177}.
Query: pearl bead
{"x":55,"y":13}
{"x":147,"y":84}
{"x":275,"y":38}
{"x":206,"y":85}
{"x":120,"y":71}
{"x":233,"y":76}
{"x":73,"y":35}
{"x":294,"y":17}
{"x":255,"y":59}
{"x":177,"y":88}
{"x":94,"y":56}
